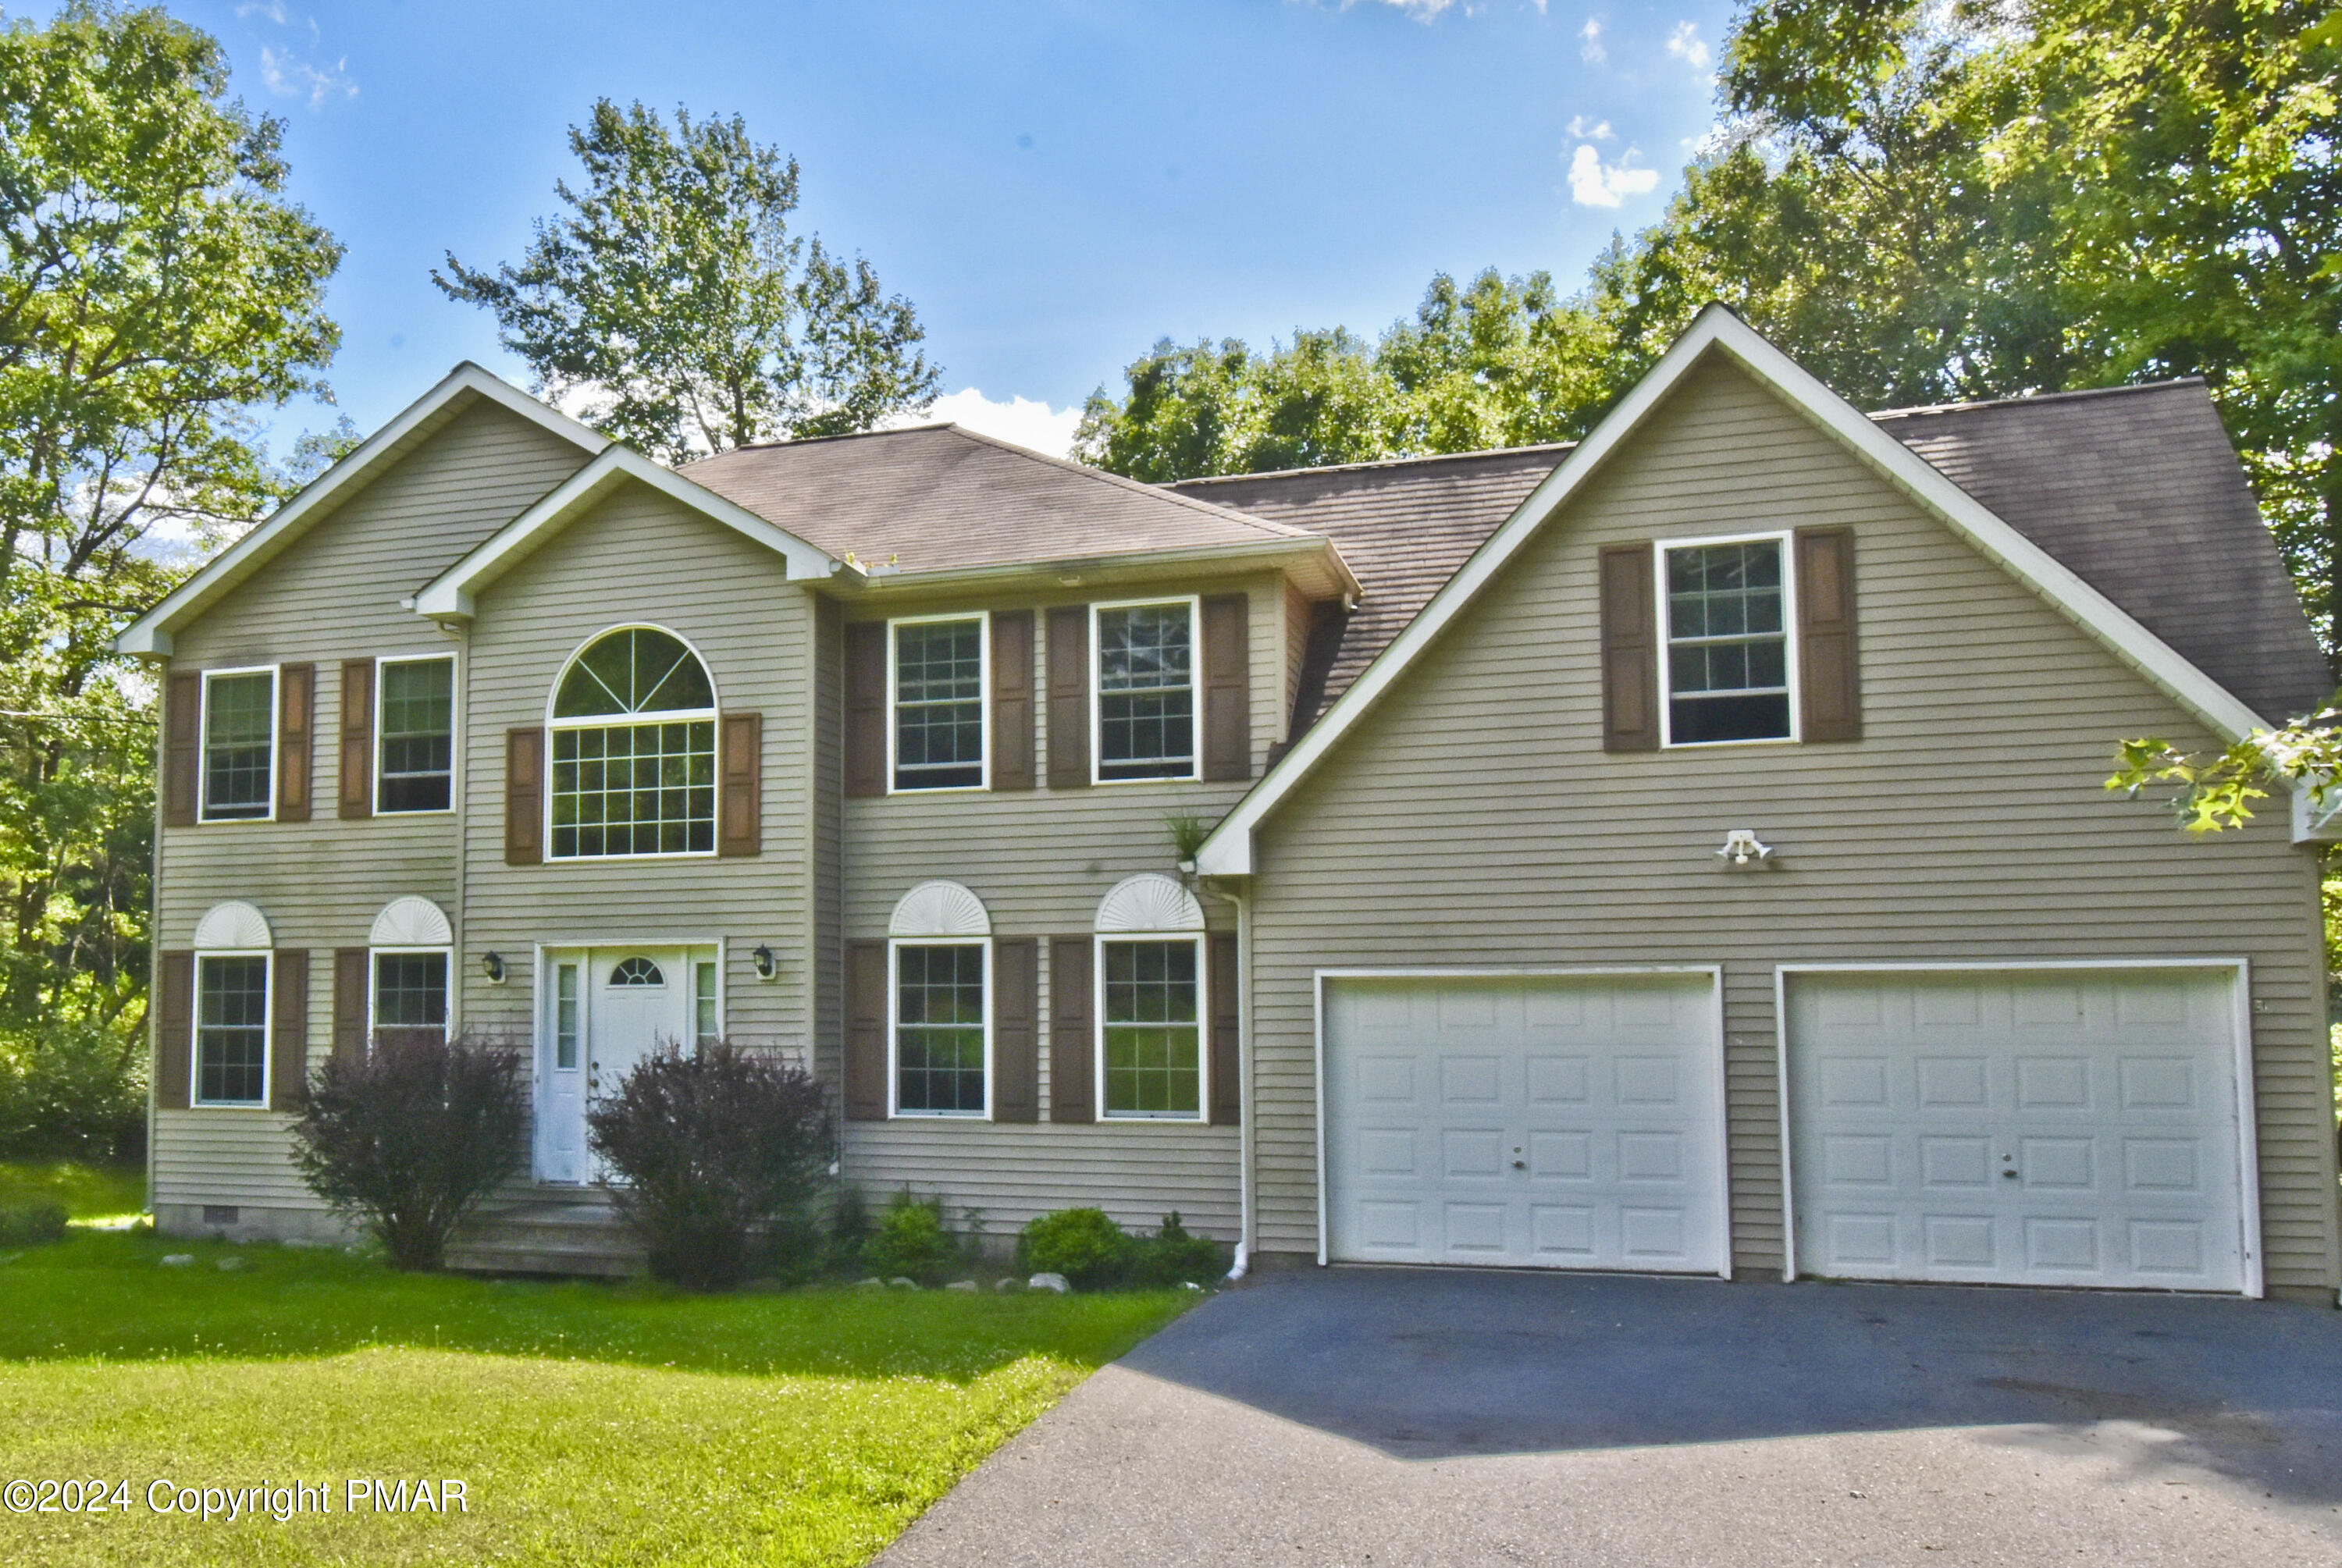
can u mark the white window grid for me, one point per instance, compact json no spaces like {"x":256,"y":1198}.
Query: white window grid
{"x":203,"y":748}
{"x":1781,"y":539}
{"x":1193,"y":606}
{"x":983,"y":619}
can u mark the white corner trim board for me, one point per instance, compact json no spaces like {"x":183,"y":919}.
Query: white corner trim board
{"x":411,"y":922}
{"x":939,"y":909}
{"x":149,"y":636}
{"x":1228,"y":851}
{"x":233,"y":926}
{"x":1149,"y":902}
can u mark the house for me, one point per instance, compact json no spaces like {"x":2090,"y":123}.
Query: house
{"x":1682,"y":851}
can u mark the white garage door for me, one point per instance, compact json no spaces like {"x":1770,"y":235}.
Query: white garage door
{"x":2075,"y":1128}
{"x":1547,"y":1123}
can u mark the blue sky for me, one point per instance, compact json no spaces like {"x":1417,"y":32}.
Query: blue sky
{"x":1055,"y":182}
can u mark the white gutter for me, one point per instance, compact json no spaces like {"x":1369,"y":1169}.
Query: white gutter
{"x":1246,"y":1110}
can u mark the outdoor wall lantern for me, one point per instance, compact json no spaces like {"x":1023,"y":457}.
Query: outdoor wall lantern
{"x":768,"y":964}
{"x":492,"y":965}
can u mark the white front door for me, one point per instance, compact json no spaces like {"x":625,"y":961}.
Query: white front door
{"x":606,"y":1009}
{"x":2060,"y":1128}
{"x":1566,"y":1122}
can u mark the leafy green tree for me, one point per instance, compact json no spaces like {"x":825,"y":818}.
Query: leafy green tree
{"x":673,"y":293}
{"x":156,"y":288}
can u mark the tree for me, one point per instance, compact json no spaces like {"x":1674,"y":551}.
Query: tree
{"x":156,"y":288}
{"x":675,"y":297}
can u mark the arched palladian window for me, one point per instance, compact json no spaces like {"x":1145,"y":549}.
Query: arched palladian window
{"x":233,"y":963}
{"x":1151,"y":1061}
{"x":634,"y":749}
{"x":939,"y":946}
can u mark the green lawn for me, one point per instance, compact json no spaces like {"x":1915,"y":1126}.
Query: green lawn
{"x":87,"y":1191}
{"x":589,"y":1423}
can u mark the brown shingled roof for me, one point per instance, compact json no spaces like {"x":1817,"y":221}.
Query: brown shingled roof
{"x":940,"y":498}
{"x":2136,"y":489}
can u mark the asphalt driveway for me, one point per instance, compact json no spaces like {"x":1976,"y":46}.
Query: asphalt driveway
{"x":1432,"y":1416}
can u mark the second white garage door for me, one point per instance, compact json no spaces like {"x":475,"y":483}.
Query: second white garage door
{"x":1552,"y":1122}
{"x":2073,"y":1127}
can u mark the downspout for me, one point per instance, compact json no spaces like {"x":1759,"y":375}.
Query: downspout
{"x":1248,"y":1111}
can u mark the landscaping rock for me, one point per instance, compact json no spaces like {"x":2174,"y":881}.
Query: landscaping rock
{"x":1007,"y":1286}
{"x":961,"y":1286}
{"x":179,"y":1261}
{"x":900,"y":1283}
{"x":228,"y":1264}
{"x":873,"y":1283}
{"x":1048,"y":1283}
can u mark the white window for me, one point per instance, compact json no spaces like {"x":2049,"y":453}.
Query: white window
{"x":1143,"y":713}
{"x":706,"y":1004}
{"x":940,"y":675}
{"x":410,"y":992}
{"x":634,"y":750}
{"x":567,"y":1022}
{"x":1729,"y":669}
{"x":415,"y":734}
{"x":231,"y":1044}
{"x":239,"y":745}
{"x":941,"y":1025}
{"x":1150,"y":1028}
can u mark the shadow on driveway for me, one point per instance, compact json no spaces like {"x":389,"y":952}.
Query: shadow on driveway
{"x":1432,"y":1363}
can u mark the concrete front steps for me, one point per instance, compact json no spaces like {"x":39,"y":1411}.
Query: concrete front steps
{"x":567,"y":1231}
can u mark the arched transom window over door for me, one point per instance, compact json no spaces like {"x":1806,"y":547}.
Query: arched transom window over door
{"x":634,"y":749}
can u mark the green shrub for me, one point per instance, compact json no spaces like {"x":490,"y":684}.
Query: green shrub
{"x":849,"y":1227}
{"x":1083,"y":1245}
{"x":24,"y":1225}
{"x":910,"y":1241}
{"x":75,"y":1089}
{"x":1173,"y":1257}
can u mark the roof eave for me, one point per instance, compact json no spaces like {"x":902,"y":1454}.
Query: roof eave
{"x":1325,"y":573}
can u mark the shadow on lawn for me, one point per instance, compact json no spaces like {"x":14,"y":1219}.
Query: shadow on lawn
{"x":110,"y":1295}
{"x":1432,"y":1363}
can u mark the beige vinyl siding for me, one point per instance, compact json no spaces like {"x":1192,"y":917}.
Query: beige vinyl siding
{"x":1041,"y":860}
{"x":1474,"y":819}
{"x":332,"y":595}
{"x":639,"y":558}
{"x":1295,"y":636}
{"x":827,"y":951}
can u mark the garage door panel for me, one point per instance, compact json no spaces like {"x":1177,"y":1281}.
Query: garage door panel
{"x":2078,"y":1131}
{"x":1551,"y":1122}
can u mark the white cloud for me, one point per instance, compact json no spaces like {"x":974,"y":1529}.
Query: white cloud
{"x":1589,"y":43}
{"x":1686,"y":45}
{"x":1594,"y":184}
{"x":290,"y":78}
{"x":1583,"y":130}
{"x":1421,"y":10}
{"x":271,"y":9}
{"x":1021,"y":420}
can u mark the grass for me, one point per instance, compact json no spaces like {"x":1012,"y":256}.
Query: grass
{"x":87,"y":1191}
{"x":590,"y":1424}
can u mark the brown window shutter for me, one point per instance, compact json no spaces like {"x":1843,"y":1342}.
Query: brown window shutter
{"x":866,"y":708}
{"x":1228,"y":686}
{"x":353,"y":974}
{"x":357,"y":739}
{"x":296,"y":716}
{"x":1228,"y":1025}
{"x":1015,"y":1029}
{"x":174,"y":1027}
{"x":1630,"y":651}
{"x":525,"y":796}
{"x":1069,"y":697}
{"x":1012,"y":699}
{"x":1829,"y":685}
{"x":1072,"y":1040}
{"x":183,"y":748}
{"x":288,"y":1029}
{"x":740,"y":815}
{"x":866,"y":1030}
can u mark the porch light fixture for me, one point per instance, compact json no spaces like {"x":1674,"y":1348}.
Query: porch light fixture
{"x":492,"y":965}
{"x":1741,"y":848}
{"x":769,"y":965}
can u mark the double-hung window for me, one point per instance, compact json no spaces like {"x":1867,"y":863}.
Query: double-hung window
{"x":939,"y":683}
{"x":410,"y":993}
{"x":1150,"y":1028}
{"x":634,"y":750}
{"x":232,"y":1029}
{"x":1728,"y":657}
{"x":239,"y":745}
{"x":415,"y":749}
{"x":942,"y":1027}
{"x":1146,"y":691}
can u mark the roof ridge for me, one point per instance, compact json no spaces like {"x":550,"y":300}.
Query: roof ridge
{"x":819,"y":440}
{"x":1374,"y":463}
{"x":2070,"y":395}
{"x":1161,"y":491}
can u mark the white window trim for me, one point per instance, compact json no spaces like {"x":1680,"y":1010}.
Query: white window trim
{"x":1194,"y":690}
{"x":895,"y":946}
{"x":203,"y":742}
{"x":267,"y":1033}
{"x":1791,"y":650}
{"x":723,"y":1030}
{"x":454,"y":730}
{"x":714,"y":715}
{"x":374,"y":986}
{"x":1203,"y":1027}
{"x":983,"y":619}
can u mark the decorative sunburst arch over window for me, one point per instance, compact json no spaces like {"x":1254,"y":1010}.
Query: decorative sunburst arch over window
{"x":636,"y":971}
{"x":234,"y":926}
{"x":634,"y":670}
{"x":1148,"y":901}
{"x":410,"y":922}
{"x":939,"y":909}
